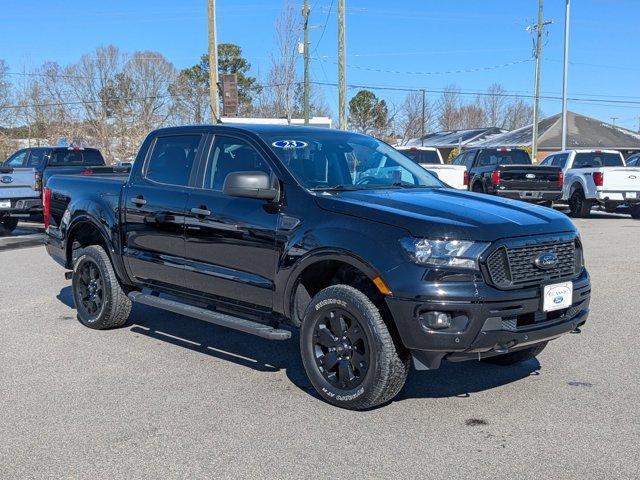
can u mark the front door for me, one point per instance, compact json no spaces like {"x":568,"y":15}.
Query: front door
{"x":155,"y":206}
{"x":230,"y":241}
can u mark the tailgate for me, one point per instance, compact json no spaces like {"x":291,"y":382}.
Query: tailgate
{"x":621,"y":179}
{"x":17,"y":183}
{"x":452,"y":175}
{"x":530,"y":178}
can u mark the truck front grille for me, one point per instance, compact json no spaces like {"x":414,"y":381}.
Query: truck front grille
{"x":515,"y":267}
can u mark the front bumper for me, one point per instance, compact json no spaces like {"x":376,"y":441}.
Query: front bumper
{"x":489,"y":322}
{"x":535,"y":196}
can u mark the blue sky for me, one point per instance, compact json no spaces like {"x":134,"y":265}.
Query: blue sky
{"x":404,"y":36}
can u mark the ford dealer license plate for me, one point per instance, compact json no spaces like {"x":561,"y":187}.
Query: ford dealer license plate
{"x":5,"y":203}
{"x":557,"y":296}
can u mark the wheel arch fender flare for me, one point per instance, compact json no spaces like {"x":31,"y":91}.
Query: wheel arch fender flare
{"x":317,"y":256}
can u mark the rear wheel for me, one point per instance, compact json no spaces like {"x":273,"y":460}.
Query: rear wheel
{"x":100,"y":301}
{"x":516,"y":357}
{"x":8,"y":225}
{"x":477,"y":187}
{"x":348,"y":352}
{"x":578,"y":205}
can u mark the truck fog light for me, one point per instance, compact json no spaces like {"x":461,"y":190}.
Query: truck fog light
{"x":435,"y":320}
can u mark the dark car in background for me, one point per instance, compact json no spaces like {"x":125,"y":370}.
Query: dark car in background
{"x":510,"y":173}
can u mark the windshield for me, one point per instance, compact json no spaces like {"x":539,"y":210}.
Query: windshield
{"x":333,"y":159}
{"x":504,"y":157}
{"x":429,"y":157}
{"x":597,"y":159}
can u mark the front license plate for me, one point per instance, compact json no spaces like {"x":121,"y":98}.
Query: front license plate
{"x":557,"y":296}
{"x":5,"y":203}
{"x":632,"y":194}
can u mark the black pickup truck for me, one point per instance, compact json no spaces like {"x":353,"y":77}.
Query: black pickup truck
{"x":509,"y":172}
{"x":268,"y":228}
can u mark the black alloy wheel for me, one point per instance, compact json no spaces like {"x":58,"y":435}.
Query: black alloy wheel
{"x":90,"y":288}
{"x":341,"y":349}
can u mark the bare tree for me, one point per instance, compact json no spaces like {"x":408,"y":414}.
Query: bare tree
{"x":5,"y":91}
{"x":495,"y":105}
{"x":471,"y":116}
{"x":449,"y":108}
{"x":518,"y":114}
{"x":409,"y":121}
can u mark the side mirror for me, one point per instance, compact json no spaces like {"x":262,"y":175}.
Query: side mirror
{"x":250,"y":185}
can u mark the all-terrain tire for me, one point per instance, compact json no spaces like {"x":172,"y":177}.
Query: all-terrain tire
{"x":385,"y":371}
{"x":477,"y":188}
{"x":93,"y":274}
{"x":8,"y":225}
{"x":579,"y":206}
{"x":635,"y":212}
{"x":517,"y":356}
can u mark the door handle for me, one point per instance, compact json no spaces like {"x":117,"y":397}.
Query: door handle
{"x":138,"y":200}
{"x":201,"y":212}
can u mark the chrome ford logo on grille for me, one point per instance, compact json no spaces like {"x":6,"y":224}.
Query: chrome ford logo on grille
{"x":530,"y":175}
{"x":546,"y":260}
{"x":6,"y":179}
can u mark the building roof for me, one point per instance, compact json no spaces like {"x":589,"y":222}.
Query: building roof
{"x":314,"y":121}
{"x":453,"y":138}
{"x":583,"y":132}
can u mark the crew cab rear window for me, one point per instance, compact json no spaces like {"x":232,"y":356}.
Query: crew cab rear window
{"x":70,"y":157}
{"x":429,"y":157}
{"x":595,"y":160}
{"x":503,"y":157}
{"x":172,"y":158}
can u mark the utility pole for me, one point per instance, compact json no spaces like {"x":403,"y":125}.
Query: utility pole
{"x":565,"y":73}
{"x":305,"y":94}
{"x":342,"y":82}
{"x":213,"y":63}
{"x":613,"y":121}
{"x":538,"y":55}
{"x":422,"y":125}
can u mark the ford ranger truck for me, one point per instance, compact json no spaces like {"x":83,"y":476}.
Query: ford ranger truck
{"x":266,"y":229}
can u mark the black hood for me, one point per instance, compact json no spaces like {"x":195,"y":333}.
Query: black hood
{"x":448,"y":213}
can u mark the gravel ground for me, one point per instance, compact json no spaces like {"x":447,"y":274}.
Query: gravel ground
{"x":172,"y":397}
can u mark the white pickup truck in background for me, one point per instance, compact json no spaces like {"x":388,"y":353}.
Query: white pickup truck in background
{"x":430,"y":159}
{"x":597,"y":177}
{"x":18,"y":194}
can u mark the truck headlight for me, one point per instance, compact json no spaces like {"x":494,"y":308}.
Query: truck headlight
{"x":444,"y":253}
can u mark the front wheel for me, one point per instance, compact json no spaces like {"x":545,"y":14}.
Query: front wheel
{"x":635,"y":211}
{"x":578,"y":205}
{"x":517,"y":356}
{"x":348,"y":352}
{"x":100,"y":301}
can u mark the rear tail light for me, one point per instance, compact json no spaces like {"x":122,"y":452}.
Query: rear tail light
{"x":495,"y":178}
{"x":46,"y":207}
{"x":86,"y":172}
{"x":38,"y":185}
{"x":560,"y":179}
{"x":598,"y":178}
{"x":465,"y":178}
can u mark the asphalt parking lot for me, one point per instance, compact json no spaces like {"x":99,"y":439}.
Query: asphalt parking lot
{"x":172,"y":397}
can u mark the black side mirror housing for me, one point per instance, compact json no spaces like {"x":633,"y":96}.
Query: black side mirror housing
{"x":251,"y":185}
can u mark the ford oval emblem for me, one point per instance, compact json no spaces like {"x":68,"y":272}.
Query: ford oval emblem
{"x":530,"y":175}
{"x":6,"y":179}
{"x":546,"y":260}
{"x":632,"y":177}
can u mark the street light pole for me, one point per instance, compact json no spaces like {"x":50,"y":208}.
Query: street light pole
{"x":565,"y":74}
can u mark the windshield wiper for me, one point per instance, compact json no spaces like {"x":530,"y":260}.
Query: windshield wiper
{"x":335,"y":188}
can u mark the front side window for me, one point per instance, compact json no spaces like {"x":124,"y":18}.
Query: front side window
{"x":229,"y":155}
{"x":172,"y":158}
{"x":560,"y":160}
{"x":37,"y":157}
{"x":422,"y":157}
{"x":547,"y":162}
{"x":17,"y":159}
{"x":342,"y":160}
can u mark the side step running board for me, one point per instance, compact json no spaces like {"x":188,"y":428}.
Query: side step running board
{"x":222,"y":319}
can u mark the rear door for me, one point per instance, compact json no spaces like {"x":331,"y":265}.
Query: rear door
{"x":231,"y":241}
{"x":155,"y":201}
